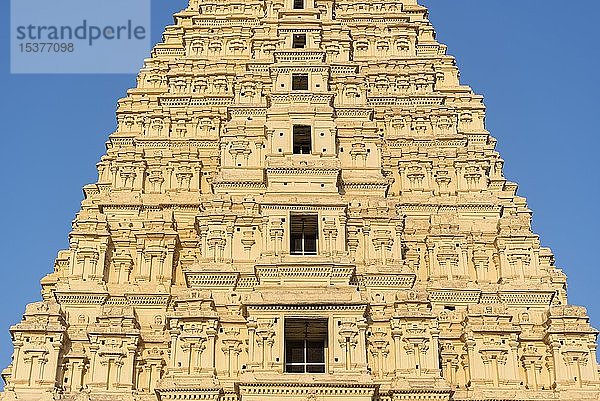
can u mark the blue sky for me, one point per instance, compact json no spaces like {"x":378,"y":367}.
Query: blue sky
{"x":536,"y":62}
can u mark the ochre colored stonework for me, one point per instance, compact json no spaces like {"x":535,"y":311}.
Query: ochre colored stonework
{"x":301,"y":202}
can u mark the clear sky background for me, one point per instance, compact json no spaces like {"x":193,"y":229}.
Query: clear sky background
{"x":535,"y":61}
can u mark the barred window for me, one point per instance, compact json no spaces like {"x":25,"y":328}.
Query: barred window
{"x":299,"y":82}
{"x":305,"y":345}
{"x":302,"y":137}
{"x":299,"y":41}
{"x":304,"y":233}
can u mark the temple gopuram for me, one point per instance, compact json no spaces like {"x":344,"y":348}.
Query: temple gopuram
{"x":301,"y":202}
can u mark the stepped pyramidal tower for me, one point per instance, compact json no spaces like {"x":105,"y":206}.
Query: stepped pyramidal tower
{"x":301,"y":202}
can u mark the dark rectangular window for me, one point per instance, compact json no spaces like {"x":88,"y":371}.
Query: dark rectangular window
{"x":299,"y":41}
{"x":302,"y":140}
{"x":305,"y":344}
{"x":298,"y":4}
{"x":304,"y":234}
{"x":299,"y":82}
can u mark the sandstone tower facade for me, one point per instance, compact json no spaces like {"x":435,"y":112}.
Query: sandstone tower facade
{"x":301,"y":202}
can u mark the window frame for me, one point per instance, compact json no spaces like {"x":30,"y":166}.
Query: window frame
{"x":299,"y":141}
{"x":300,"y":79}
{"x":298,"y":4}
{"x":303,"y":239}
{"x":306,"y":365}
{"x":304,"y":41}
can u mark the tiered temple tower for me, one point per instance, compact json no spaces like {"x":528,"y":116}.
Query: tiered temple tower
{"x":301,"y":201}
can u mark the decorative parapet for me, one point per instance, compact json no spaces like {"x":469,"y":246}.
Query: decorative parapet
{"x":304,"y":273}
